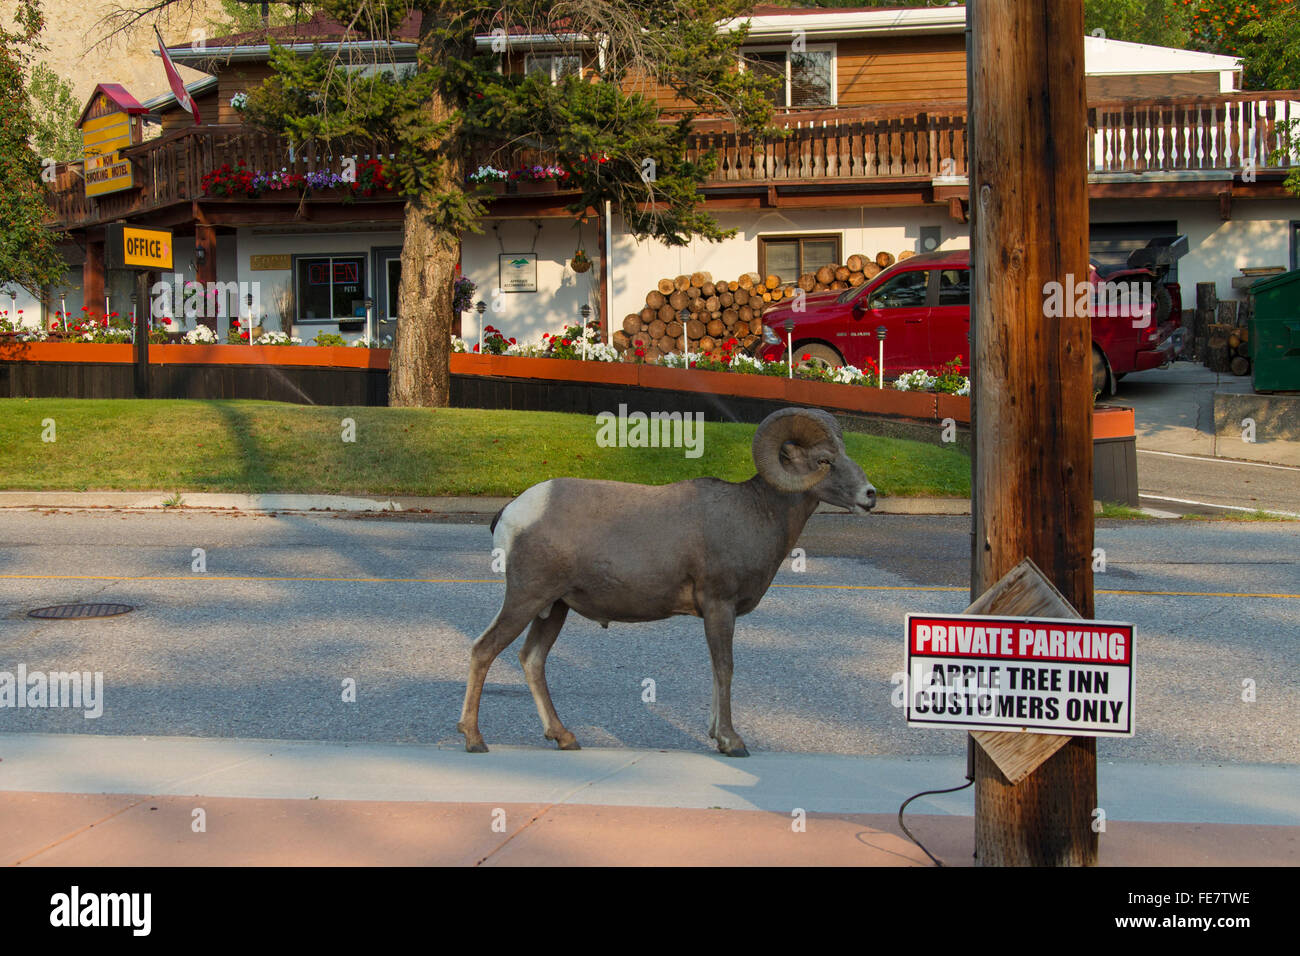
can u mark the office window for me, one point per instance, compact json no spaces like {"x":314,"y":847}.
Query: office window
{"x":789,"y":257}
{"x":553,"y":66}
{"x":805,"y":79}
{"x":330,"y":287}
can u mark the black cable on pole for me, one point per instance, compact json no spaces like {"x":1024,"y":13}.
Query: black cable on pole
{"x":924,"y":793}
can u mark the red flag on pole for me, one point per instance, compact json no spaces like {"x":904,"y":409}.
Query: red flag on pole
{"x":183,"y":98}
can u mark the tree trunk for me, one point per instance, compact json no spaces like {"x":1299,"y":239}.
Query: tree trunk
{"x":420,"y":370}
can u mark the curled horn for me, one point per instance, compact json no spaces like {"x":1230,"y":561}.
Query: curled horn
{"x":791,"y":424}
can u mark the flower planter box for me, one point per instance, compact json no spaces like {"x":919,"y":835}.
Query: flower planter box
{"x":956,"y":407}
{"x":331,"y":356}
{"x":534,"y":187}
{"x":96,"y":352}
{"x":561,"y":370}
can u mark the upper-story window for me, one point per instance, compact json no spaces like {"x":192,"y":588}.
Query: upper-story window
{"x":553,"y":66}
{"x":807,"y":77}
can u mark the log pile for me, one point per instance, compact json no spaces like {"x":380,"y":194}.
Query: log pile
{"x":1227,"y":348}
{"x":725,"y":309}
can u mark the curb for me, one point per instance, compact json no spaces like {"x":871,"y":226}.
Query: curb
{"x":308,"y":504}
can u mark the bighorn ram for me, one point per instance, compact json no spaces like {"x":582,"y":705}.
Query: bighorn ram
{"x":704,"y":547}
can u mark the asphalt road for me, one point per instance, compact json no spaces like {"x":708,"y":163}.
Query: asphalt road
{"x":290,"y":607}
{"x":1167,"y":481}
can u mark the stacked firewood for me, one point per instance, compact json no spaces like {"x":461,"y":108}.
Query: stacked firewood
{"x":723,"y":310}
{"x":1227,"y":342}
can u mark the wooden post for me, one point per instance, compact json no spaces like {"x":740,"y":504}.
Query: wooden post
{"x":205,"y":257}
{"x":1032,"y":399}
{"x":143,"y":283}
{"x":92,"y":278}
{"x":1207,"y":305}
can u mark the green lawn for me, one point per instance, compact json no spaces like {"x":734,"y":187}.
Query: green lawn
{"x":246,"y":446}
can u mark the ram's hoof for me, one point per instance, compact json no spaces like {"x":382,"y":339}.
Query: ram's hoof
{"x":565,"y":741}
{"x":740,"y":751}
{"x":478,"y":748}
{"x":569,"y":745}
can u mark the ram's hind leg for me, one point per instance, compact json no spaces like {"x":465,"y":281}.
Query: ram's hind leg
{"x":507,"y":625}
{"x":540,"y":640}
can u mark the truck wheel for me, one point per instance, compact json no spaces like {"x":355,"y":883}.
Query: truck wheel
{"x":1100,"y":374}
{"x":819,"y":356}
{"x":1163,"y":303}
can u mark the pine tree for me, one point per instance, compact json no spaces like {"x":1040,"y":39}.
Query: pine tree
{"x":29,"y":256}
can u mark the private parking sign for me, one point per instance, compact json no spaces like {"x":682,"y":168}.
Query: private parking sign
{"x":1041,"y":675}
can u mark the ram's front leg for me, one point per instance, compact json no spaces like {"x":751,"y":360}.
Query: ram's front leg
{"x":719,"y":629}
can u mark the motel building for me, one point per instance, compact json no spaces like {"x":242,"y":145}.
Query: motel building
{"x":876,"y":161}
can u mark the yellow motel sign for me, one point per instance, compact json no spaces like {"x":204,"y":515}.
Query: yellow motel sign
{"x":108,"y":125}
{"x":132,"y":247}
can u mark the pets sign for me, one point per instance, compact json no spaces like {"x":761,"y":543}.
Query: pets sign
{"x":1039,"y":675}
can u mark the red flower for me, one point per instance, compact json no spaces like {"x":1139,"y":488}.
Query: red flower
{"x":85,"y":308}
{"x":513,"y":342}
{"x":234,"y":323}
{"x":475,"y":346}
{"x":806,"y":356}
{"x":167,"y":321}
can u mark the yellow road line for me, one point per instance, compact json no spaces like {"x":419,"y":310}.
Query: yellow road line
{"x":498,"y":580}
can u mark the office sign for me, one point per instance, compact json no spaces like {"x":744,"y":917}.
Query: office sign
{"x":132,"y":247}
{"x":1040,"y":675}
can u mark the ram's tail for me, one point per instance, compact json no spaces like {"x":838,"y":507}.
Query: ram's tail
{"x":495,"y":518}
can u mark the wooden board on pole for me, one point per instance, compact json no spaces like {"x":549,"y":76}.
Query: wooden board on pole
{"x":1024,"y":591}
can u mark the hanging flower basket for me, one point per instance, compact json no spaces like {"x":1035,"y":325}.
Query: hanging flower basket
{"x":580,"y":262}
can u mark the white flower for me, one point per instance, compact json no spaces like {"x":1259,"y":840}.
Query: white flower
{"x":278,"y":338}
{"x":200,"y":335}
{"x":918,"y":380}
{"x":458,"y":344}
{"x":239,"y":101}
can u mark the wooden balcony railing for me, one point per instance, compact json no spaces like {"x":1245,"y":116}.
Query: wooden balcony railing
{"x":1195,"y":133}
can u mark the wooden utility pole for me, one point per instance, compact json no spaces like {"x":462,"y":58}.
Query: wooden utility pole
{"x":1031,"y":389}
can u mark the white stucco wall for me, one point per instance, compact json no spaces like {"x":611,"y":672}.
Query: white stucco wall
{"x":561,"y":292}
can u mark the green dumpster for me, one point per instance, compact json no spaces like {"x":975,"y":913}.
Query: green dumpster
{"x":1275,"y":333}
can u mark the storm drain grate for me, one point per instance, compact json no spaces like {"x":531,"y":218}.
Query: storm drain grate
{"x":69,"y":612}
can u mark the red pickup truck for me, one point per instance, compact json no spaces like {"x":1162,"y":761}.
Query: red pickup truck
{"x":923,"y":303}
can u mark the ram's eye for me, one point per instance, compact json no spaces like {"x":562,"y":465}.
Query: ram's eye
{"x":827,"y":462}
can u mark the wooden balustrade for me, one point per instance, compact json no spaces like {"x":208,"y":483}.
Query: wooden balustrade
{"x":890,"y":141}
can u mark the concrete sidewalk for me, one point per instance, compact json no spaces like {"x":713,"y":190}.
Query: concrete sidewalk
{"x":1175,"y":410}
{"x":89,"y":800}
